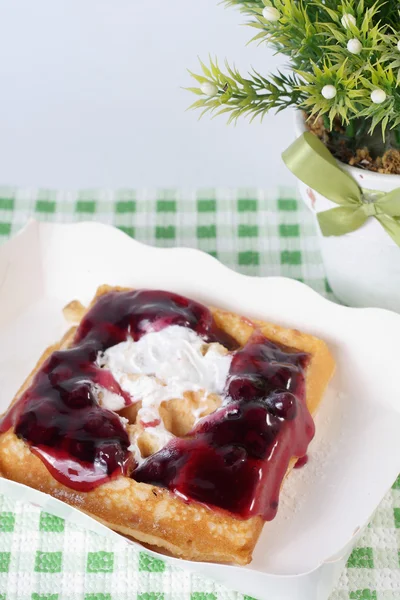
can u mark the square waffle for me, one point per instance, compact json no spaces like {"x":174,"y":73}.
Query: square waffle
{"x":191,"y":471}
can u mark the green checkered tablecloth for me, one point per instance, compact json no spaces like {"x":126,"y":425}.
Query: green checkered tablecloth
{"x":257,"y":232}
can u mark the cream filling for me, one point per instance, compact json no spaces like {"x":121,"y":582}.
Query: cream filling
{"x":162,"y":366}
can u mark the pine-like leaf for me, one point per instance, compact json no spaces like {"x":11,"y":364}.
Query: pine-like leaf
{"x":311,"y":34}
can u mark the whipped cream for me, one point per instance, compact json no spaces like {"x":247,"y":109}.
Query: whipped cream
{"x":108,"y":399}
{"x":161,"y":366}
{"x":174,"y":356}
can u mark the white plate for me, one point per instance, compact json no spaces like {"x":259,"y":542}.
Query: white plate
{"x":355,"y":456}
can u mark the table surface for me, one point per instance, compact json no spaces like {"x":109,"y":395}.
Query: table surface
{"x":253,"y":231}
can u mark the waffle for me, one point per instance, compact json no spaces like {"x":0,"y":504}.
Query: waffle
{"x":148,"y":513}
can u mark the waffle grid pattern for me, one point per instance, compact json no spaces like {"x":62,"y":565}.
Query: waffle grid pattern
{"x":256,"y":232}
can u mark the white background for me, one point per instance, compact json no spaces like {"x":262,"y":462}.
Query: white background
{"x":91,"y":95}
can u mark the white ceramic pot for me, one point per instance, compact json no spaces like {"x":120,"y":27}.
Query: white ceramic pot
{"x":363,"y":267}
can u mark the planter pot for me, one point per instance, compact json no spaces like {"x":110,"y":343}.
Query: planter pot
{"x":362,"y":267}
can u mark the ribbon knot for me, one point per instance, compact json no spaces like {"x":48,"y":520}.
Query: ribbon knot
{"x":370,"y":209}
{"x":311,"y":162}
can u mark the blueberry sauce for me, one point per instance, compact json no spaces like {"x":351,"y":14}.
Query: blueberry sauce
{"x":234,"y":459}
{"x":117,"y":314}
{"x":153,"y":423}
{"x":81,"y":443}
{"x":301,"y":462}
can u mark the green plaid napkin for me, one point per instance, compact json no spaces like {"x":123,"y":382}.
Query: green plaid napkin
{"x":257,"y":232}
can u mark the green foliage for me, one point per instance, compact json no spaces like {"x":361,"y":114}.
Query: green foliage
{"x":312,"y":34}
{"x":238,"y":96}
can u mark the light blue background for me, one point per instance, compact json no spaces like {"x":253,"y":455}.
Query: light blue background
{"x":91,"y":96}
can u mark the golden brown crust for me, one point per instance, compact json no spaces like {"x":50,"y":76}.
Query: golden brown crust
{"x":151,"y":515}
{"x":155,"y":516}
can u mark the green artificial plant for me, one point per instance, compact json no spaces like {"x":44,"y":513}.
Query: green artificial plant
{"x":344,"y":59}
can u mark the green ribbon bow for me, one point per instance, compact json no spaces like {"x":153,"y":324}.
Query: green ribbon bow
{"x":312,"y":163}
